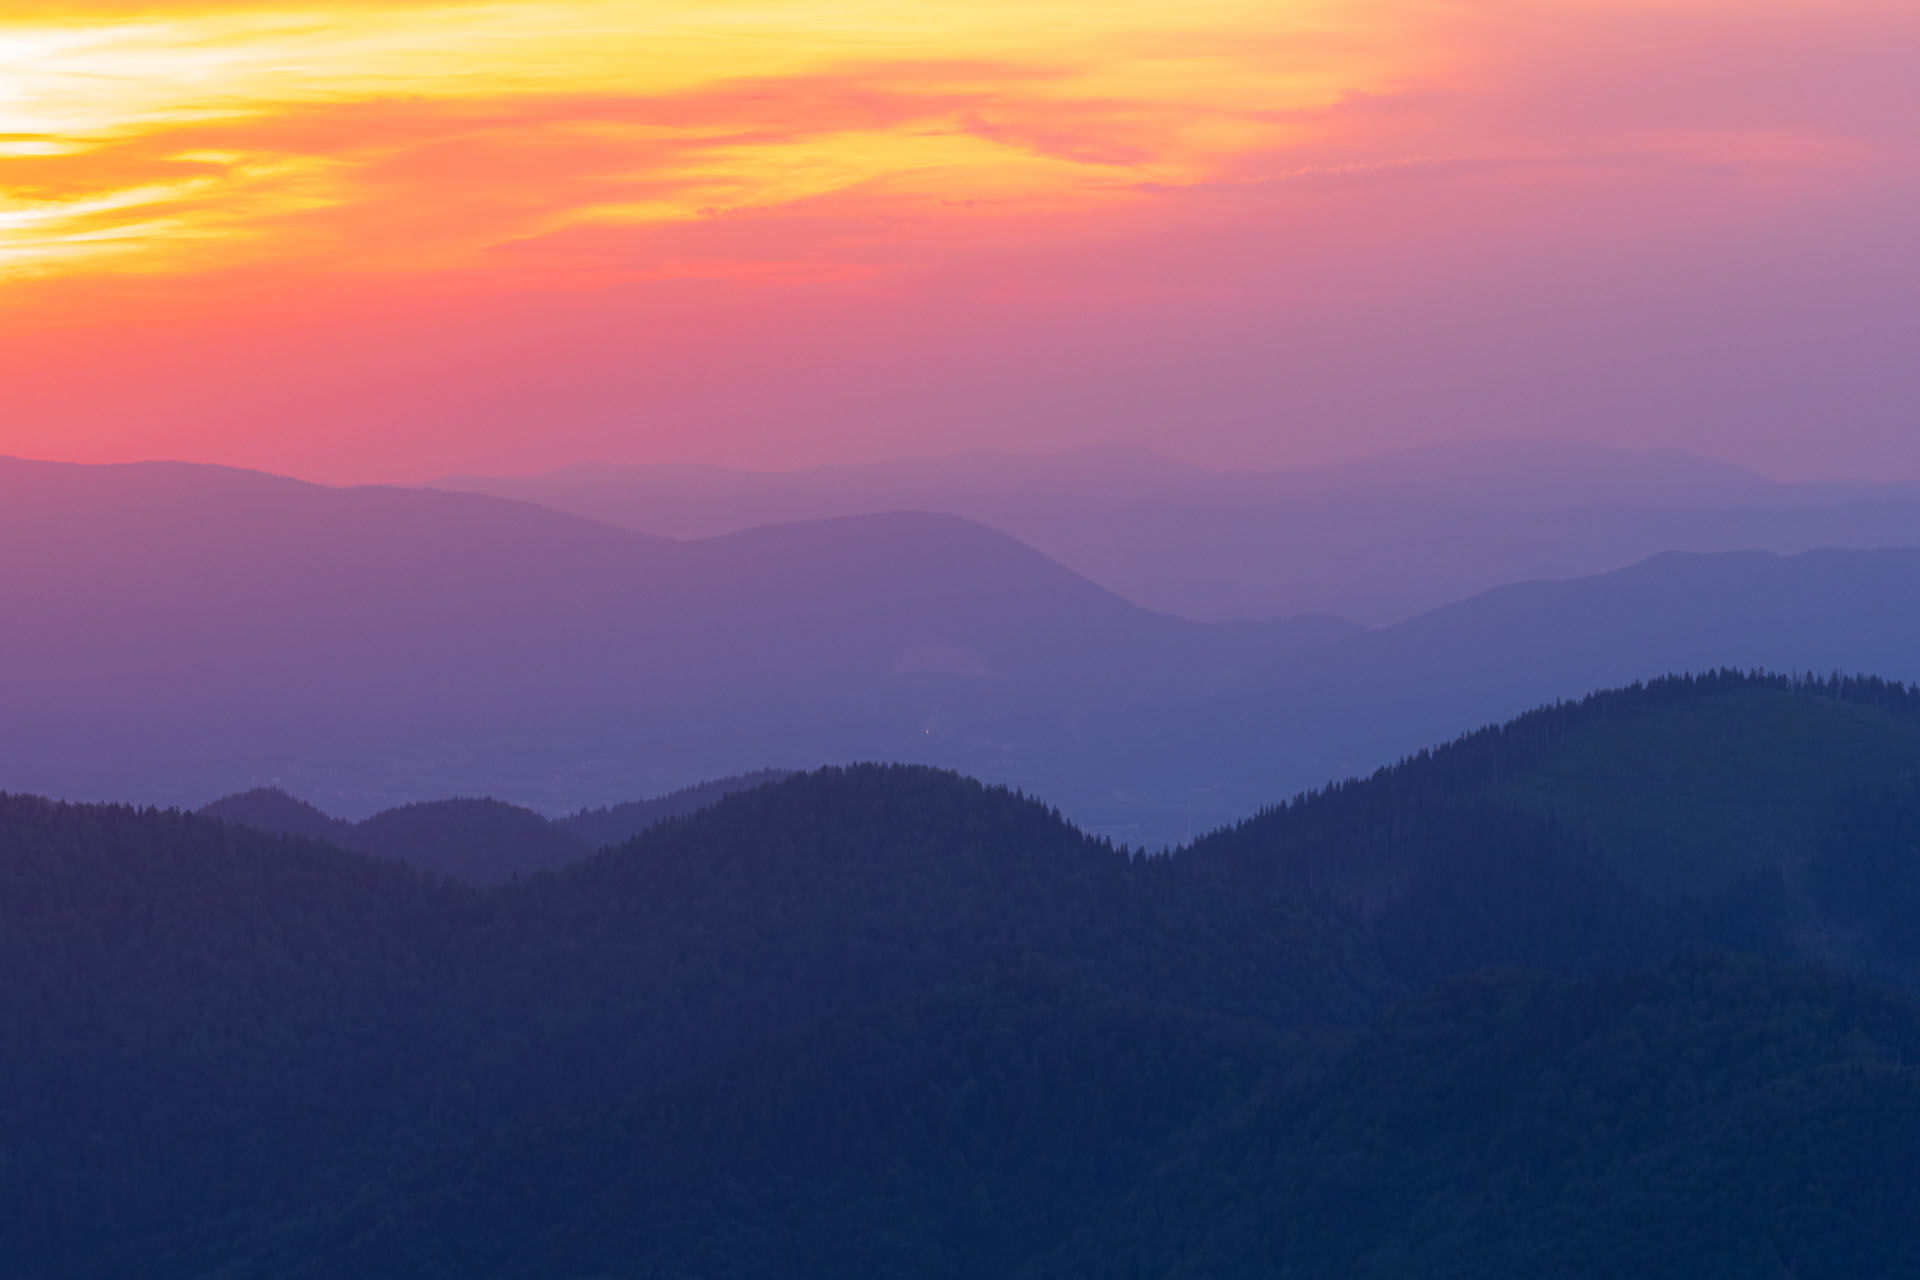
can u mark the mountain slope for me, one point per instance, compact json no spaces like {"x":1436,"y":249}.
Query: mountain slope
{"x":885,"y":1020}
{"x":187,"y":1003}
{"x":1713,"y":1118}
{"x":950,"y":1135}
{"x":1753,"y":804}
{"x":434,"y":1017}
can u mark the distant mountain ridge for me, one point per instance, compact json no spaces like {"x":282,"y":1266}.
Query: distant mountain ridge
{"x":479,"y":841}
{"x":1491,"y":657}
{"x":367,"y":646}
{"x":1378,"y":540}
{"x":175,"y":634}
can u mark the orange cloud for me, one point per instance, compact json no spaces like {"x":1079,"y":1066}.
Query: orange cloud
{"x":197,"y":135}
{"x":168,"y":136}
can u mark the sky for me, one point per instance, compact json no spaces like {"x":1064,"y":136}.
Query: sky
{"x":357,"y":240}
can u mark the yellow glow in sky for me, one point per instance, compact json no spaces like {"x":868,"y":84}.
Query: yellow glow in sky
{"x":195,"y":138}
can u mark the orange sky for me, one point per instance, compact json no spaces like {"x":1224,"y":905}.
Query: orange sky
{"x":276,"y":233}
{"x":422,"y":137}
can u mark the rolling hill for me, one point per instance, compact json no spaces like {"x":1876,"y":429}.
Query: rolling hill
{"x":884,"y":1020}
{"x":1736,"y":800}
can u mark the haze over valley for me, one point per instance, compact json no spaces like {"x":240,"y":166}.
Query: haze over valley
{"x":1377,"y":540}
{"x":182,"y":633}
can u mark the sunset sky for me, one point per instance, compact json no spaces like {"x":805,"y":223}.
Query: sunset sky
{"x":360,"y":240}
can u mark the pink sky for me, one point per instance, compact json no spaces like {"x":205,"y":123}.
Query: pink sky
{"x":1251,"y":235}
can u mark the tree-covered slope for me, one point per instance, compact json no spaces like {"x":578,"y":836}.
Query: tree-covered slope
{"x":886,"y":1020}
{"x":1691,"y":797}
{"x":950,"y":1134}
{"x":192,"y":1014}
{"x":351,"y":1021}
{"x":1716,"y":1117}
{"x":847,"y":886}
{"x":1712,"y":795}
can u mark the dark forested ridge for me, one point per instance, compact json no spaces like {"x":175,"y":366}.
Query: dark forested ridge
{"x":1737,"y":801}
{"x":1468,"y":1017}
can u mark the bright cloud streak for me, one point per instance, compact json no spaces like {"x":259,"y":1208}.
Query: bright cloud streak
{"x":700,"y":105}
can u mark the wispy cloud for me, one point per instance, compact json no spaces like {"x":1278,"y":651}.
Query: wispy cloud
{"x":459,"y":126}
{"x":187,"y":135}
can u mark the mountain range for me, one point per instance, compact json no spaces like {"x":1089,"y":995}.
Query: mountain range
{"x":1378,"y":540}
{"x":177,"y":633}
{"x":478,"y":841}
{"x":1534,"y":1004}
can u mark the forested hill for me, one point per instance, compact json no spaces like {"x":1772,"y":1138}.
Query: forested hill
{"x":886,"y":1020}
{"x":1751,"y":802}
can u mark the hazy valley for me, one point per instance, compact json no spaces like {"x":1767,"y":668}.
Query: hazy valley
{"x":184,"y":633}
{"x":1378,"y":540}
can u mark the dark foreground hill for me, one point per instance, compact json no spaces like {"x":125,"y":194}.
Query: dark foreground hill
{"x":1759,"y":806}
{"x":1711,"y":1118}
{"x":885,"y":1020}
